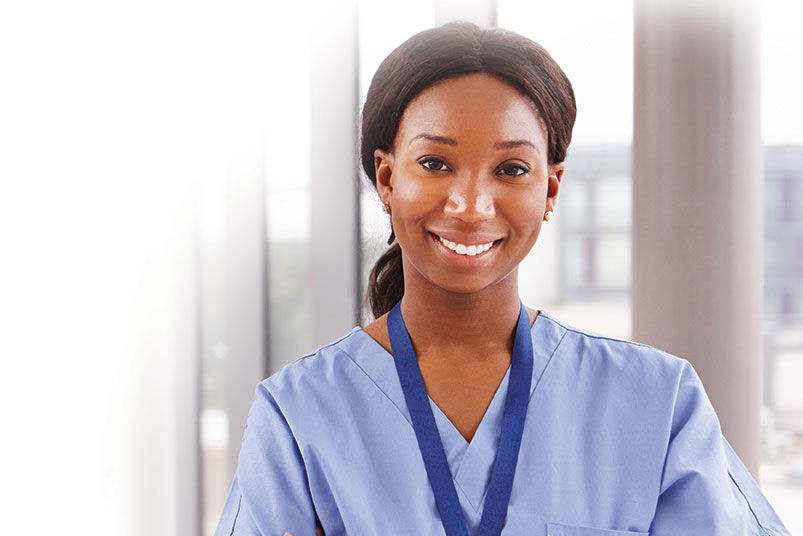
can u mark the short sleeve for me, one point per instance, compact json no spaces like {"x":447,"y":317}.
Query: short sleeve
{"x":270,"y":492}
{"x":705,"y":488}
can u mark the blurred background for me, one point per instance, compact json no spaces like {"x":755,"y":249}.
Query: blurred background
{"x":182,"y":214}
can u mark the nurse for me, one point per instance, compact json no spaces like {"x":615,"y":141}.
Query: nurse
{"x":459,"y":410}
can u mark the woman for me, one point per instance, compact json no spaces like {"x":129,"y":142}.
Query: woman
{"x":458,"y":410}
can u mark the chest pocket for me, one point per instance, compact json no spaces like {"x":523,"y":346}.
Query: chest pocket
{"x":558,"y":529}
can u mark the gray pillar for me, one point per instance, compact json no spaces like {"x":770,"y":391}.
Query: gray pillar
{"x":187,"y":376}
{"x":243,"y":315}
{"x":698,"y":200}
{"x":334,"y":230}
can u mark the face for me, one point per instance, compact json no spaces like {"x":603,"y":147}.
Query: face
{"x":468,"y":182}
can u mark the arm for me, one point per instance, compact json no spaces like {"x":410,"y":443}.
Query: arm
{"x":705,"y":488}
{"x":318,"y":532}
{"x":270,"y":493}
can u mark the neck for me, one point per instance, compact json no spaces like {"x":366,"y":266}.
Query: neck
{"x":466,"y":327}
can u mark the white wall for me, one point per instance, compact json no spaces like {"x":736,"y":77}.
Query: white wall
{"x":110,"y":116}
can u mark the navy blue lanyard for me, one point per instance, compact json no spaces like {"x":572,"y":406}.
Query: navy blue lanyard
{"x":429,"y":441}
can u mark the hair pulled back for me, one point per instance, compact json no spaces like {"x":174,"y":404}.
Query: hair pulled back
{"x":443,"y":52}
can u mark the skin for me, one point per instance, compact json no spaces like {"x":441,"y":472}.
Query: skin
{"x":469,"y":163}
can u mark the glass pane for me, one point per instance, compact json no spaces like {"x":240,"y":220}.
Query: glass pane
{"x":782,"y":115}
{"x":783,"y":316}
{"x":213,"y":418}
{"x":613,"y":261}
{"x":288,"y":279}
{"x":576,"y":258}
{"x":573,"y":202}
{"x":613,"y":199}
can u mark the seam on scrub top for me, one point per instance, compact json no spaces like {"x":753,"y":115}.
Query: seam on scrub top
{"x":548,"y":361}
{"x":748,"y":503}
{"x":271,"y":399}
{"x":463,"y":491}
{"x":376,"y":385}
{"x":234,"y":524}
{"x":594,"y":336}
{"x":669,"y":436}
{"x":333,"y":343}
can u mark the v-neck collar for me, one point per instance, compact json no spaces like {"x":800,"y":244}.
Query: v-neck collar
{"x":469,"y":462}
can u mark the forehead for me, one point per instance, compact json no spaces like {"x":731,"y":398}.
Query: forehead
{"x":477,"y":106}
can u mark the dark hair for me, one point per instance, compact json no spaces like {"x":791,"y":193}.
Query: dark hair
{"x":443,"y":52}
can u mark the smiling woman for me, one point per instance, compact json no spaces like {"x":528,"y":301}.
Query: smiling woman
{"x":469,"y":194}
{"x":459,"y":410}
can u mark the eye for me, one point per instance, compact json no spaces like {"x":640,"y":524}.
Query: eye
{"x":433,"y":164}
{"x":513,"y":170}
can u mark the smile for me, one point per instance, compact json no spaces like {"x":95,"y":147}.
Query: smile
{"x":462,"y":249}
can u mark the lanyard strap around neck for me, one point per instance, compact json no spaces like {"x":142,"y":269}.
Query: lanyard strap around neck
{"x":429,"y":441}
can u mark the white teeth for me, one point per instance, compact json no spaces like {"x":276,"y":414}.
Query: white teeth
{"x":462,"y":249}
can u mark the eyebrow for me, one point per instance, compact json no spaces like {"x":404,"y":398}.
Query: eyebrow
{"x":449,"y":141}
{"x":432,"y":137}
{"x":514,"y":143}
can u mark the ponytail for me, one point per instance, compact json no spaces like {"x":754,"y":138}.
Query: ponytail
{"x":386,"y":282}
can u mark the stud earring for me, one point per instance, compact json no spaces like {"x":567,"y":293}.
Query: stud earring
{"x":387,"y":207}
{"x":547,"y":215}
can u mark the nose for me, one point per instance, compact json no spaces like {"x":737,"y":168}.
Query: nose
{"x":470,"y":200}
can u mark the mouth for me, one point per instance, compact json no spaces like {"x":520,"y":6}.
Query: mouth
{"x":467,"y":250}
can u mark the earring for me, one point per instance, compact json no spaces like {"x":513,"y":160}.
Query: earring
{"x":387,"y":207}
{"x":547,"y":215}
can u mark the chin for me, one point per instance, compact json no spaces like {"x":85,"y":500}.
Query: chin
{"x":466,"y":285}
{"x":456,"y":279}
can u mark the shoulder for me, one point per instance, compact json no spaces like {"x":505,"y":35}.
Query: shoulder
{"x":344,"y":388}
{"x":615,"y":386}
{"x":319,"y":364}
{"x":618,"y":362}
{"x":329,"y":373}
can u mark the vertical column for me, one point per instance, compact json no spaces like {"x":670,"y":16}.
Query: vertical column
{"x":186,"y":368}
{"x":244,"y":315}
{"x":334,"y":192}
{"x":697,"y":200}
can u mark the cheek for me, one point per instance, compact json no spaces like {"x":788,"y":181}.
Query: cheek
{"x":406,"y":211}
{"x":415,"y":198}
{"x":525,"y":210}
{"x":407,"y":193}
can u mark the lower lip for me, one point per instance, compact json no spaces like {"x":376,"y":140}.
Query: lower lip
{"x":467,"y":261}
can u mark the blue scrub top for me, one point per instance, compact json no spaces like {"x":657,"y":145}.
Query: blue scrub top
{"x":620,"y":439}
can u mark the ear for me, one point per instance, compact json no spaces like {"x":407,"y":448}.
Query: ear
{"x":553,"y":184}
{"x":383,"y":167}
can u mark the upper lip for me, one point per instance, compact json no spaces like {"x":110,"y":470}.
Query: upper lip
{"x":464,"y":238}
